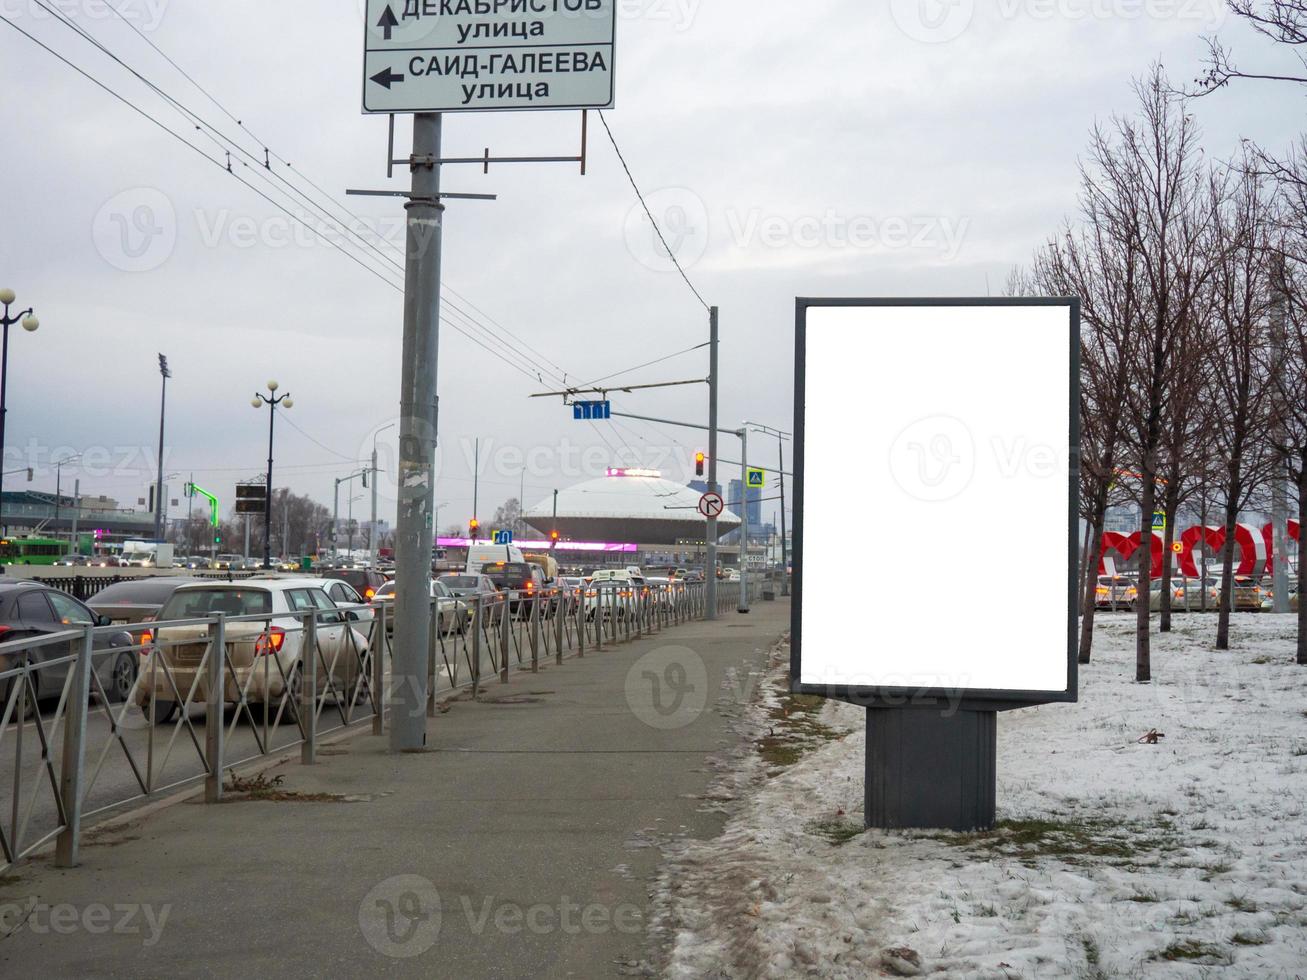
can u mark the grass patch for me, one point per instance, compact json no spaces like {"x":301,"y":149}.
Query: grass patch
{"x":260,"y":787}
{"x":1262,"y":661}
{"x":1072,"y":842}
{"x":794,"y":729}
{"x":1250,"y":939}
{"x":1241,"y":904}
{"x":1143,"y":897}
{"x":836,"y":830}
{"x":1194,"y":951}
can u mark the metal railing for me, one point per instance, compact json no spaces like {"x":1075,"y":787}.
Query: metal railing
{"x":95,"y":719}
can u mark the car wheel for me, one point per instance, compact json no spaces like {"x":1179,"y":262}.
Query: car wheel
{"x":10,"y":691}
{"x":294,"y":689}
{"x":163,"y":711}
{"x":123,"y":678}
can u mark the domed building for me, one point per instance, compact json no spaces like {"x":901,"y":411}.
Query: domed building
{"x":628,"y":505}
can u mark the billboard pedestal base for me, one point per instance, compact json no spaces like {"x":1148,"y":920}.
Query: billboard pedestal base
{"x":929,"y":769}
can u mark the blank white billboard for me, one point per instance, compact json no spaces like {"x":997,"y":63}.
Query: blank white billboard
{"x":935,"y":545}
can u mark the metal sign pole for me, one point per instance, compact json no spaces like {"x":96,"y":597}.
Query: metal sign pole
{"x":710,"y":572}
{"x":744,"y":522}
{"x":930,"y":767}
{"x":408,"y":730}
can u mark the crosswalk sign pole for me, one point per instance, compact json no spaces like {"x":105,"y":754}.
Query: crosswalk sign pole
{"x":744,"y":521}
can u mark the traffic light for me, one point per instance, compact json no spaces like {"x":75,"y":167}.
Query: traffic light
{"x":698,"y":464}
{"x":472,"y":527}
{"x":554,"y":537}
{"x":217,"y":539}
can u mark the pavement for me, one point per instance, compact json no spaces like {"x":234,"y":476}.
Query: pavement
{"x":522,"y":843}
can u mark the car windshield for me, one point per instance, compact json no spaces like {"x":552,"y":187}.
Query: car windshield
{"x":461,"y":581}
{"x":193,"y":603}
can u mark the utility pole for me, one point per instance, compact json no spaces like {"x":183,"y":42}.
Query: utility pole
{"x":710,"y":573}
{"x":408,"y":729}
{"x":744,"y":520}
{"x":335,"y":520}
{"x":476,"y":480}
{"x":372,"y":534}
{"x":158,"y":493}
{"x":785,"y":549}
{"x":77,"y":510}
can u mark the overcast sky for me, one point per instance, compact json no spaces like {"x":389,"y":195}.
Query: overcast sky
{"x":829,"y":148}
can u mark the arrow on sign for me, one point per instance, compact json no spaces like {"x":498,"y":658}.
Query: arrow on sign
{"x":387,"y":77}
{"x":388,"y":23}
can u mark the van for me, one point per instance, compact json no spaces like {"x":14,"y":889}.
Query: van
{"x":547,"y":564}
{"x":480,"y":555}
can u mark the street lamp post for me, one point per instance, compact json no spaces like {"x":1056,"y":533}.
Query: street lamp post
{"x":781,"y":438}
{"x":30,"y":324}
{"x":158,"y":488}
{"x":372,"y":538}
{"x":58,"y":485}
{"x":272,"y":400}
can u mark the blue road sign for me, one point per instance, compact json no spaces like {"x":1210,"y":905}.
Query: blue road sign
{"x":503,"y":537}
{"x":590,"y":411}
{"x":757,"y":479}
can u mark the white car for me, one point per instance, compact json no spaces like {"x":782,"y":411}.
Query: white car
{"x":357,"y":609}
{"x":454,"y":615}
{"x":615,"y":589}
{"x":265,"y":655}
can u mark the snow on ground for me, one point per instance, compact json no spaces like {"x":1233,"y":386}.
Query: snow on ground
{"x":1113,"y":858}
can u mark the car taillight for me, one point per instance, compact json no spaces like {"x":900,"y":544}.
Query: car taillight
{"x":270,"y":642}
{"x":4,"y":630}
{"x":146,"y":637}
{"x":1179,"y":593}
{"x":369,"y":593}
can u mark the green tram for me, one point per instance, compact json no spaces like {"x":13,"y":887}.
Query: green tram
{"x":31,"y":551}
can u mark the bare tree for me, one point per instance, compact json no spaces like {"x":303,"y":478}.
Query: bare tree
{"x":1156,"y":190}
{"x":1291,"y":375}
{"x":1101,"y":267}
{"x":1283,"y":21}
{"x":1242,"y":368}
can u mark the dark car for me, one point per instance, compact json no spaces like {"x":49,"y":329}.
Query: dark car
{"x":30,"y":610}
{"x":136,"y":600}
{"x":364,"y":580}
{"x":521,"y":582}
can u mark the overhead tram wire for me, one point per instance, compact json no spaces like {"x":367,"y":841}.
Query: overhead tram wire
{"x":509,"y":351}
{"x":636,"y":187}
{"x":221,"y":140}
{"x":330,"y":200}
{"x":267,"y":198}
{"x":508,"y":354}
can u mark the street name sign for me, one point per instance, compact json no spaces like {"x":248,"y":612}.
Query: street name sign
{"x":488,"y":55}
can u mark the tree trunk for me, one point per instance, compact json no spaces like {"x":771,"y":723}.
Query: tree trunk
{"x":1090,"y":596}
{"x":1302,"y":521}
{"x":1171,"y":505}
{"x":1226,"y":597}
{"x":1143,"y":652}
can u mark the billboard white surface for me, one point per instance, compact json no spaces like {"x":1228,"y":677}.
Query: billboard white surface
{"x":942,"y":433}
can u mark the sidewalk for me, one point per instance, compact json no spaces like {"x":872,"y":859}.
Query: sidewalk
{"x":521,"y":844}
